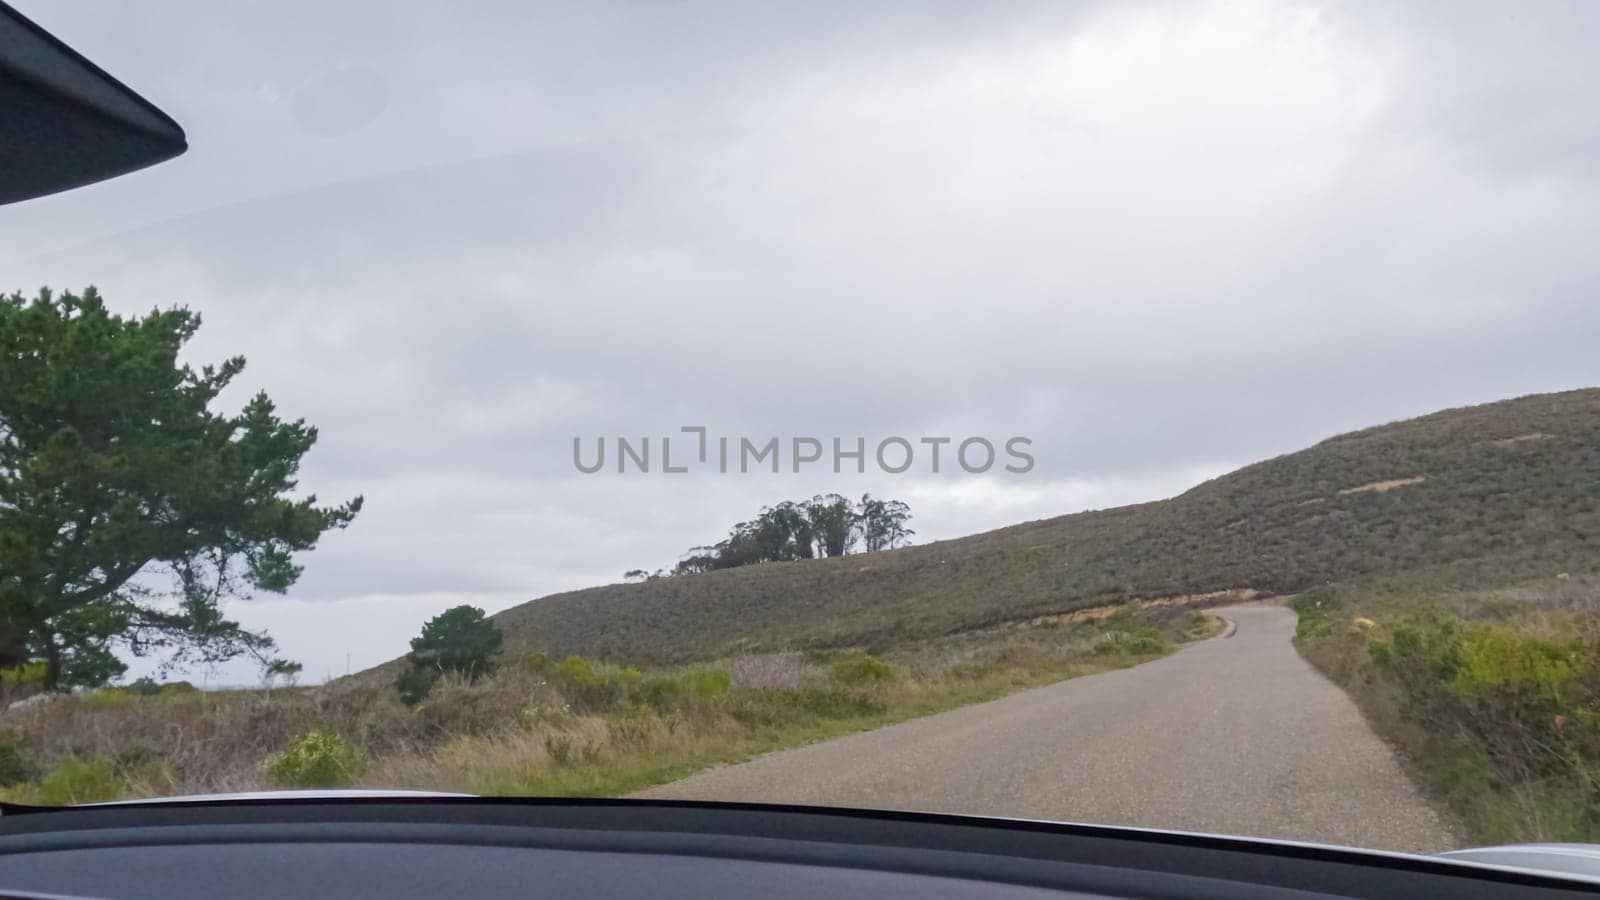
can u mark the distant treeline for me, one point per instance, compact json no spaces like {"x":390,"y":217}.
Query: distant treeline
{"x":825,"y":525}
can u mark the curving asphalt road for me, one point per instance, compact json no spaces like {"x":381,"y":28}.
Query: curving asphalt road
{"x":1234,"y":735}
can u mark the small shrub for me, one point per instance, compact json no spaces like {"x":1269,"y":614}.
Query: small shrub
{"x":320,"y":759}
{"x":562,"y":749}
{"x":414,"y":685}
{"x":536,"y":662}
{"x":1381,"y":652}
{"x":863,"y":669}
{"x":144,"y":687}
{"x":80,"y":781}
{"x":578,"y":671}
{"x":108,"y":698}
{"x":1495,"y":660}
{"x":709,"y":685}
{"x":1312,"y":622}
{"x":660,"y":693}
{"x":1196,"y":624}
{"x":632,"y":729}
{"x":14,"y":768}
{"x":1141,"y":641}
{"x":592,"y":690}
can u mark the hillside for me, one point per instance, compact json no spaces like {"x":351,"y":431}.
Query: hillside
{"x":1502,"y":491}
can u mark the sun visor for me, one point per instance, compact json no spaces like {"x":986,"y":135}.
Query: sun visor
{"x":65,"y":123}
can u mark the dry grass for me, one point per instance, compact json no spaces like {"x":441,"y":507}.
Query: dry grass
{"x":772,"y":670}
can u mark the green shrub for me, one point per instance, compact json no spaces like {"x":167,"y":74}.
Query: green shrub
{"x":536,"y":662}
{"x":1381,"y":652}
{"x":320,"y":759}
{"x":1129,"y":640}
{"x":14,"y":768}
{"x":578,"y":670}
{"x":862,"y":669}
{"x":660,"y":693}
{"x":1313,"y":615}
{"x":80,"y":781}
{"x":589,"y":688}
{"x":665,"y":691}
{"x":1494,"y":659}
{"x":1143,"y":643}
{"x":709,"y":685}
{"x":414,"y":685}
{"x":460,"y":640}
{"x":1513,"y":726}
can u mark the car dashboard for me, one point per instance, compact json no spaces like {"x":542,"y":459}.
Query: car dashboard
{"x":413,"y":847}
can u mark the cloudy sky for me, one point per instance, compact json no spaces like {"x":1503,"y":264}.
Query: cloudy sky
{"x":1159,"y":239}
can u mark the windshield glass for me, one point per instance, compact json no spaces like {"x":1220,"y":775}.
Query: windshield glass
{"x":1165,"y":415}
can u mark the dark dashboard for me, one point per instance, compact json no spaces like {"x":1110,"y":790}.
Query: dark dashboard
{"x":448,"y":846}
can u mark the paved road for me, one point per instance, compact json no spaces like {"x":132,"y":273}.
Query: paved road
{"x":1234,"y":735}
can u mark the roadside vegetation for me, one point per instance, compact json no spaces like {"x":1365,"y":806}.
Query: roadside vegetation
{"x":1493,"y":695}
{"x":542,"y":725}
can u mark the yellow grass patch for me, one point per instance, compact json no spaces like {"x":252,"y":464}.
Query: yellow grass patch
{"x":1379,"y":487}
{"x":1522,"y":439}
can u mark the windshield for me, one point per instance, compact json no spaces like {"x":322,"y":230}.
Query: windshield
{"x":1165,"y":415}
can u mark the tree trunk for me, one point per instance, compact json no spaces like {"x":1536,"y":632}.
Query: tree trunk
{"x":52,"y":663}
{"x":13,"y":644}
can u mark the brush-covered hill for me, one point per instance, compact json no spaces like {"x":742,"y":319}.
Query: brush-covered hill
{"x":1491,"y":493}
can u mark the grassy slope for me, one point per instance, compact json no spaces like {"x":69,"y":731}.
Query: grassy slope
{"x":1494,"y":502}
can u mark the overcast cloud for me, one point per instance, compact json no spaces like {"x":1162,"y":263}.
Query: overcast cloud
{"x":1160,"y":239}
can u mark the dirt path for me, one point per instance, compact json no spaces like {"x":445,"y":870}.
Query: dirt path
{"x":1235,"y":735}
